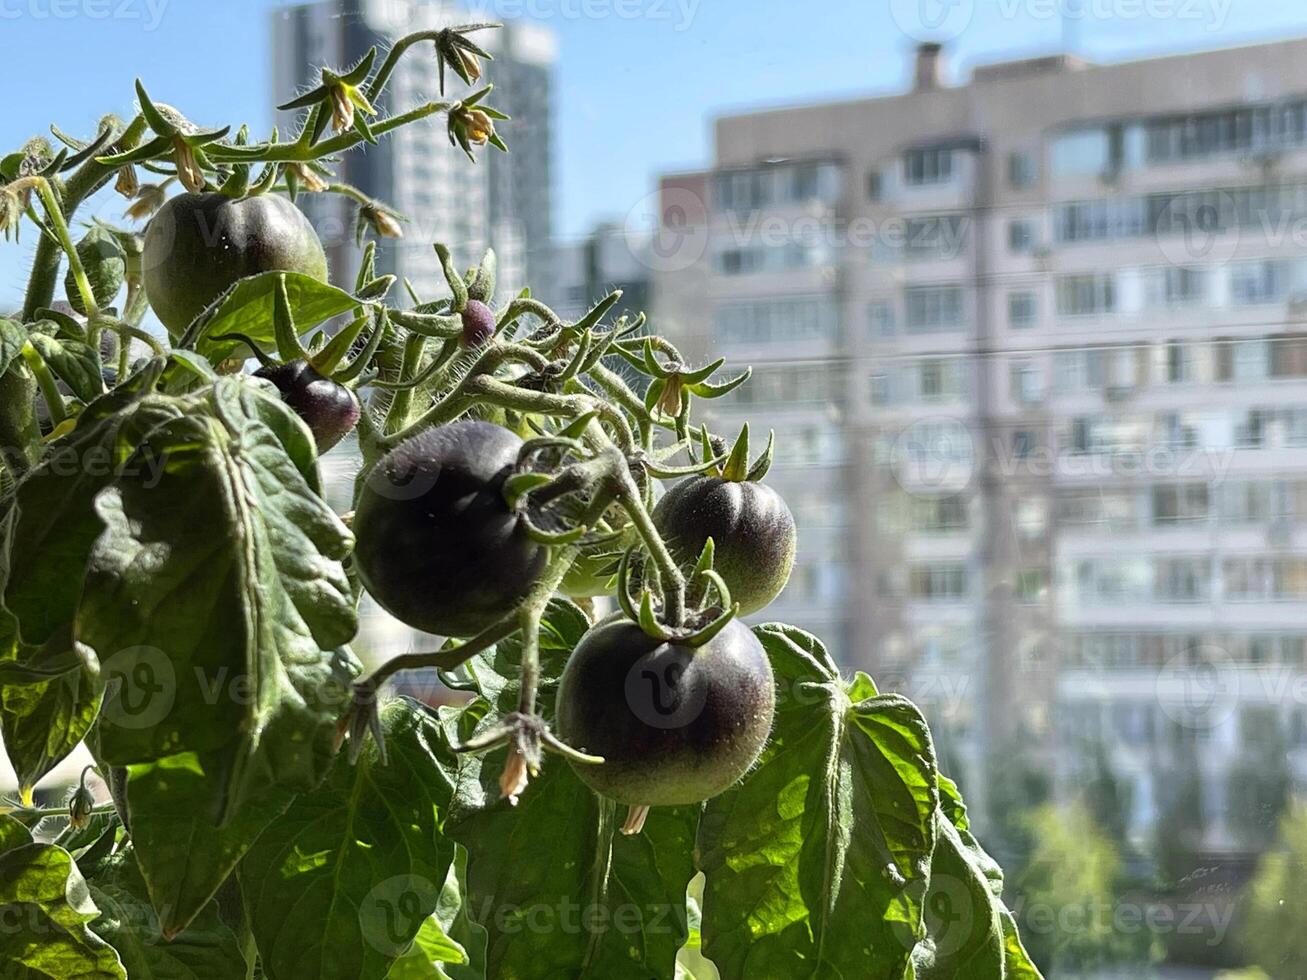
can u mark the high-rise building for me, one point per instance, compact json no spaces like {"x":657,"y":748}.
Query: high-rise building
{"x":589,"y":268}
{"x":1034,"y":346}
{"x":503,"y":200}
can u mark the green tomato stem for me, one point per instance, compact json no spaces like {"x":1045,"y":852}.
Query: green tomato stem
{"x":402,"y":400}
{"x":53,"y":211}
{"x":54,"y":400}
{"x":88,"y":178}
{"x":673,"y":582}
{"x":299,"y":152}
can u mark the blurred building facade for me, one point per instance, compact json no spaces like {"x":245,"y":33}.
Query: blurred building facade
{"x":1035,"y":353}
{"x":586,"y":269}
{"x":503,"y":200}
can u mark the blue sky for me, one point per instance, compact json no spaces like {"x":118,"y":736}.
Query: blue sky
{"x":638,"y":80}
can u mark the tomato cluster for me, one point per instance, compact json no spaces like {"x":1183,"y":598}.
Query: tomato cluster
{"x":676,"y":722}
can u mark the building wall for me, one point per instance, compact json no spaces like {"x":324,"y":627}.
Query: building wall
{"x":1048,"y":398}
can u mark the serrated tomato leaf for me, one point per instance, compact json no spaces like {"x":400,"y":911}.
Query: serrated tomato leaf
{"x":42,"y":719}
{"x":47,"y":909}
{"x":208,"y":949}
{"x":343,"y":882}
{"x":215,"y":635}
{"x":816,"y":864}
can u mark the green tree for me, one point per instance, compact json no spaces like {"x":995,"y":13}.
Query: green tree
{"x":1066,"y":895}
{"x":1273,"y":933}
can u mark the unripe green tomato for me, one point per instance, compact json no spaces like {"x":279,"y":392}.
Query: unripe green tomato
{"x":198,"y":245}
{"x":105,"y":264}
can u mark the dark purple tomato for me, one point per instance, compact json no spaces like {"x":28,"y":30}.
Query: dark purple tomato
{"x":478,"y":323}
{"x":753,"y":532}
{"x":675,"y":724}
{"x":329,"y":409}
{"x":437,"y":546}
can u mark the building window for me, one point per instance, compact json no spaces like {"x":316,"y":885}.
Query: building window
{"x":1257,"y":282}
{"x":1174,"y":286}
{"x":1085,"y":294}
{"x":880,"y":389}
{"x":1180,"y":503}
{"x":1021,"y":310}
{"x":1023,"y":443}
{"x":940,"y":378}
{"x":1179,"y":362}
{"x":874,"y":185}
{"x":936,"y":236}
{"x":933,"y":308}
{"x":1021,"y":170}
{"x":940,"y":514}
{"x":1031,"y":585}
{"x":791,"y":320}
{"x":1020,"y":236}
{"x":880,"y":317}
{"x":938,"y":582}
{"x":1025,"y":381}
{"x":927,"y":165}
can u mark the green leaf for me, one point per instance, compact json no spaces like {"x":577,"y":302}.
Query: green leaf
{"x":341,"y":884}
{"x":208,"y":949}
{"x":431,"y":949}
{"x":55,"y":522}
{"x":560,"y":892}
{"x":47,"y":908}
{"x":220,"y":643}
{"x":73,"y":362}
{"x":969,"y":932}
{"x":817,"y":862}
{"x":43,"y":721}
{"x":249,"y":308}
{"x":184,"y":858}
{"x":12,"y":339}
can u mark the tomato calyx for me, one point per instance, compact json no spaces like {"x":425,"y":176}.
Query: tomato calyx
{"x":528,"y":737}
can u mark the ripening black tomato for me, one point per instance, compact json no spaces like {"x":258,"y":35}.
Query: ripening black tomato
{"x":675,"y":724}
{"x":753,"y":534}
{"x":198,"y":245}
{"x":478,"y":323}
{"x":437,"y":545}
{"x":329,"y":409}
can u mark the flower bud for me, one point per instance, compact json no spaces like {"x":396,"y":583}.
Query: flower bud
{"x":342,"y":109}
{"x":310,"y":180}
{"x":513,"y":781}
{"x":80,"y":805}
{"x":471,"y":65}
{"x":381,"y":221}
{"x":127,"y":185}
{"x":188,"y":168}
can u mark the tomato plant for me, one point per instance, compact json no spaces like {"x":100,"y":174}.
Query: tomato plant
{"x":178,"y":595}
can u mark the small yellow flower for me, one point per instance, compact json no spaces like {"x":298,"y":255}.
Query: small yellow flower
{"x":480,"y":127}
{"x":148,"y":200}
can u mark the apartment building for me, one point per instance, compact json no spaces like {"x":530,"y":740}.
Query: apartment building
{"x":1035,"y":350}
{"x":503,"y":200}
